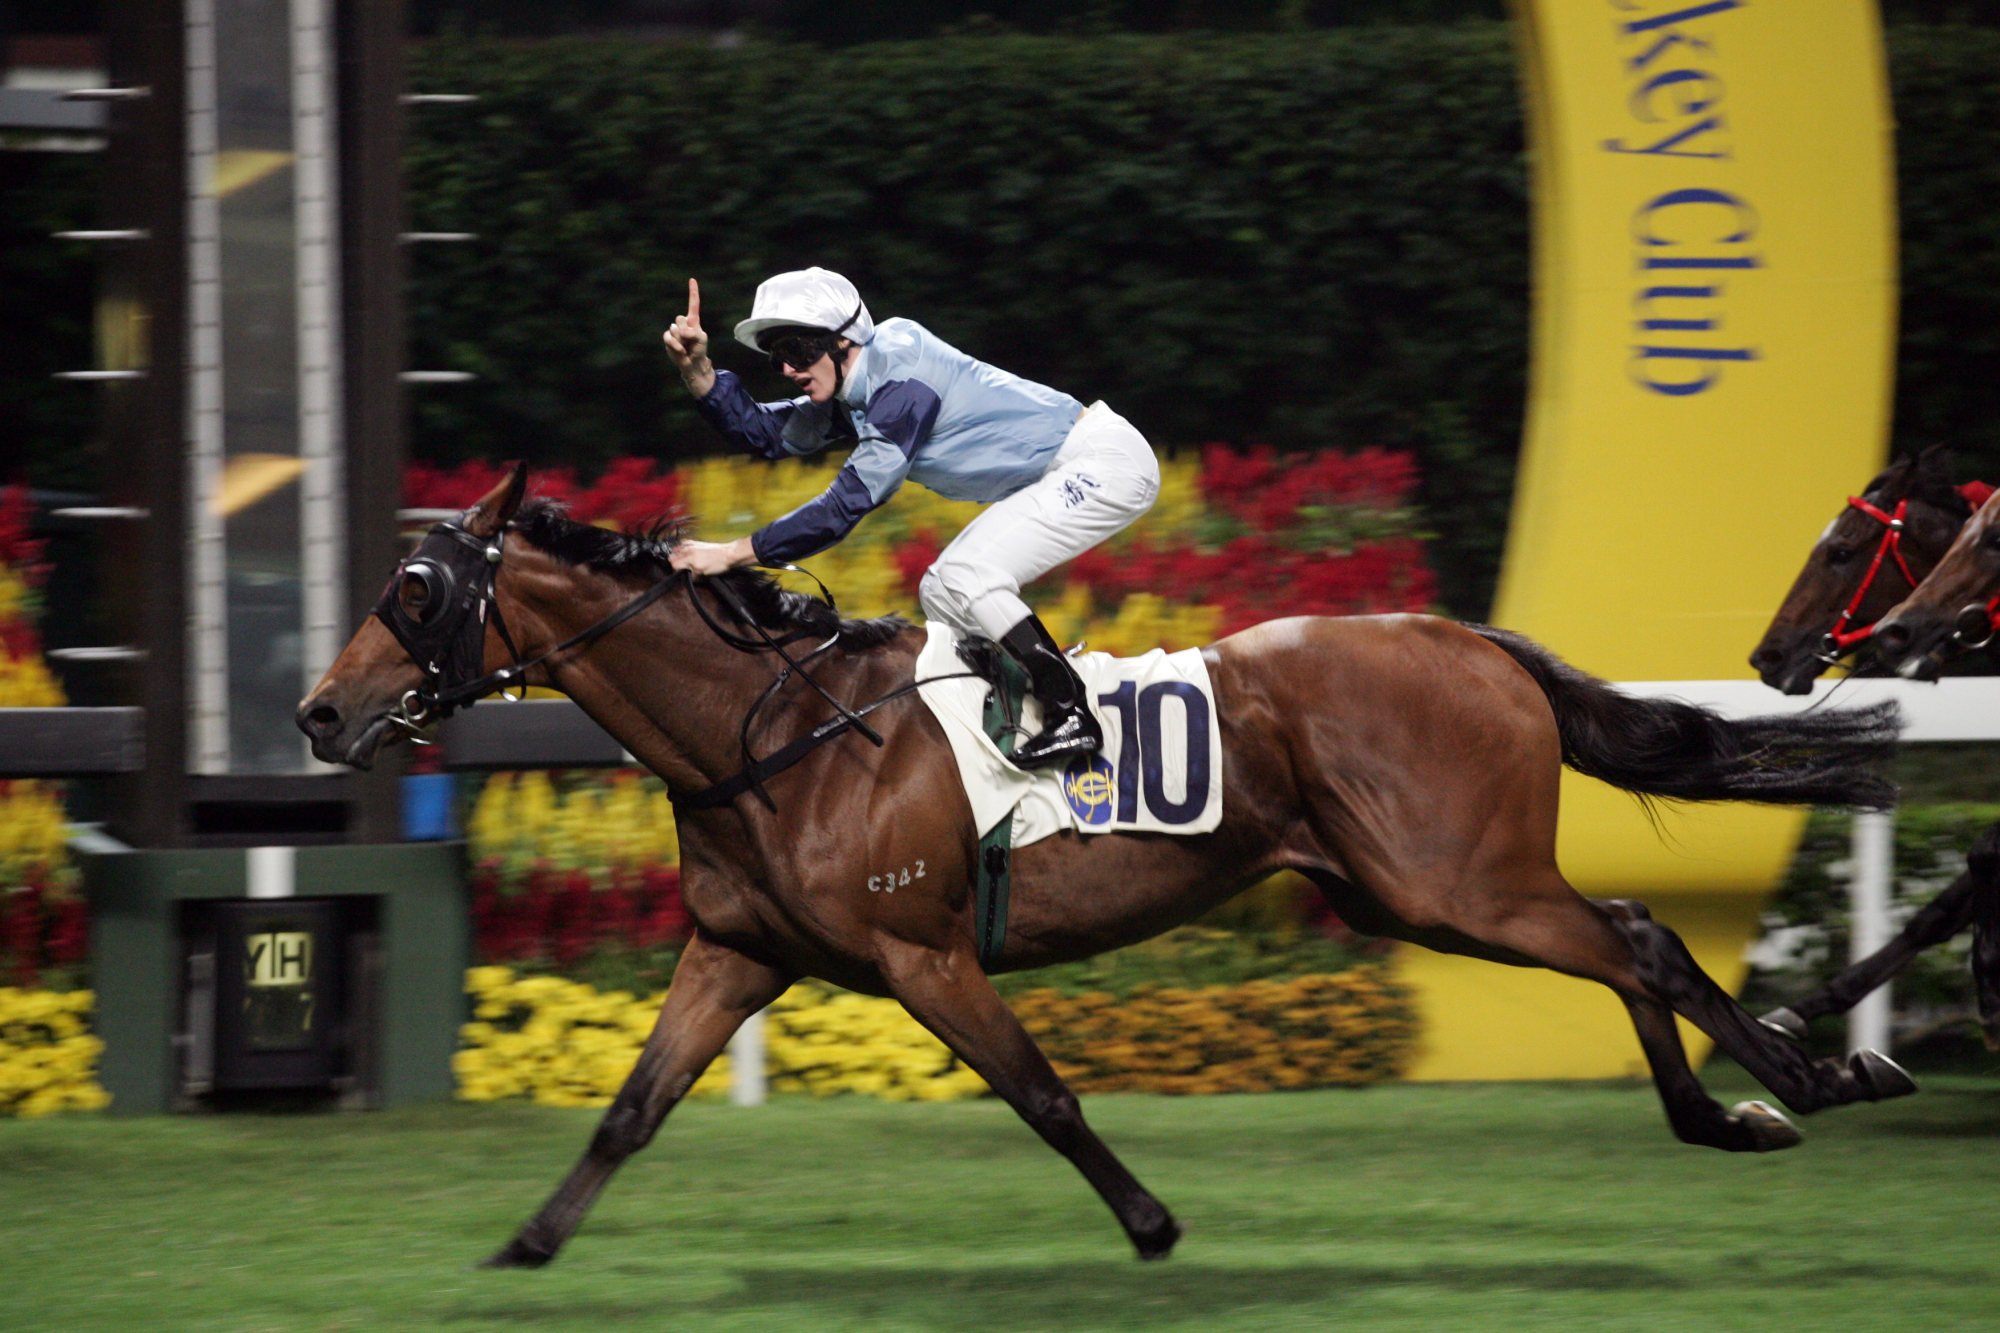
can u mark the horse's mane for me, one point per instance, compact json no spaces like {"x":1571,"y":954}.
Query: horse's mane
{"x":642,"y":553}
{"x":1924,"y":476}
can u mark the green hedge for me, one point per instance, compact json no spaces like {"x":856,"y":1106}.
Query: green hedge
{"x":1314,"y":240}
{"x":1309,"y":238}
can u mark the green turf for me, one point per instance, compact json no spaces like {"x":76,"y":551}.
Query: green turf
{"x":1402,"y":1207}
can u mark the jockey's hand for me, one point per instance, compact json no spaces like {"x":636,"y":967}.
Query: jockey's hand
{"x":687,"y":344}
{"x":706,"y":558}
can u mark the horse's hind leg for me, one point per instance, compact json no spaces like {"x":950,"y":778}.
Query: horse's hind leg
{"x":714,"y":989}
{"x":1542,"y":921}
{"x":951,"y":996}
{"x":1669,"y":974}
{"x":1696,"y":1117}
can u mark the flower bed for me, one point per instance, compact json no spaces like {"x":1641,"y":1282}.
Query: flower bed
{"x":48,"y":1057}
{"x":43,"y":921}
{"x":562,"y":1043}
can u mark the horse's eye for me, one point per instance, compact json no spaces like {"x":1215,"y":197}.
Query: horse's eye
{"x":415,"y":596}
{"x":1839,"y":555}
{"x":1992,"y":538}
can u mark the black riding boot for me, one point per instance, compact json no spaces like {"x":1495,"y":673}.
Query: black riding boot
{"x":1068,"y":729}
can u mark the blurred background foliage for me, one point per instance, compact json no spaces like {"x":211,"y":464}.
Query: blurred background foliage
{"x":1303,"y":233}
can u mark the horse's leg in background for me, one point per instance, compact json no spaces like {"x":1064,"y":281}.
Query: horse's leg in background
{"x":1940,"y":919}
{"x":714,"y":989}
{"x":1670,"y":974}
{"x":1983,"y":864}
{"x":950,"y":995}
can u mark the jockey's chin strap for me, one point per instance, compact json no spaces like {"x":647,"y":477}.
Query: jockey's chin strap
{"x":1840,"y":639}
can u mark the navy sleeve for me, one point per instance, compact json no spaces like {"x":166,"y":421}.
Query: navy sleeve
{"x":770,"y":430}
{"x":898,"y":419}
{"x":903,"y":412}
{"x":816,"y":524}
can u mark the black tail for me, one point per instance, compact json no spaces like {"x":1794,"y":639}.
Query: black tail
{"x":1663,"y":747}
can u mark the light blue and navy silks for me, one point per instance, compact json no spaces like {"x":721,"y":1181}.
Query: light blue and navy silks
{"x":913,"y":407}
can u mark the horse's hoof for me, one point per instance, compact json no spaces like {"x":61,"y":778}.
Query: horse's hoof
{"x":1769,"y":1130}
{"x":517,"y":1254}
{"x":1786,"y":1023}
{"x":1883,"y":1077}
{"x":1159,"y":1242}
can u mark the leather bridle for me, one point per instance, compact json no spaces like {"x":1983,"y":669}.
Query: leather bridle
{"x":445,"y":635}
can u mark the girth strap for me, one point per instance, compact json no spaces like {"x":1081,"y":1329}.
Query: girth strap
{"x":727,"y":790}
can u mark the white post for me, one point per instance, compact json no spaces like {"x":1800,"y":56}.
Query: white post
{"x":746,"y":1062}
{"x":1874,"y":851}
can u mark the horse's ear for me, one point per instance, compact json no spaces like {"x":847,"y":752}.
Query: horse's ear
{"x":1934,"y":463}
{"x":499,"y":504}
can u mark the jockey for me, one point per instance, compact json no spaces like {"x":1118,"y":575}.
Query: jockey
{"x":1059,"y":477}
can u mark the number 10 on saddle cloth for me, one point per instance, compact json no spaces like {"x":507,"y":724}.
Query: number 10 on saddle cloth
{"x":1160,"y":770}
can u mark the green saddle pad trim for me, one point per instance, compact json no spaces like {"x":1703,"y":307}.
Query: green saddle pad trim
{"x":990,"y":878}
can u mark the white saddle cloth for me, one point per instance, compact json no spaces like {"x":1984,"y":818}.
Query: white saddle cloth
{"x":1160,"y":770}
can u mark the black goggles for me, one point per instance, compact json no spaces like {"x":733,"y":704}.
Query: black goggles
{"x":799,"y":351}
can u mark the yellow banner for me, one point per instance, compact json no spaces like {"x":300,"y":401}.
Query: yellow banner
{"x":1714,"y":330}
{"x":1713,"y":341}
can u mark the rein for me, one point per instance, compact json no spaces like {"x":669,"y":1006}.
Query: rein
{"x":446,"y":639}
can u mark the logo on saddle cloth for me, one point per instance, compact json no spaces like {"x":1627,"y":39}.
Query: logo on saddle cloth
{"x":1087,"y":786}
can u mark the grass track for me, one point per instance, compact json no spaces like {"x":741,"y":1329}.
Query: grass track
{"x":1459,"y":1207}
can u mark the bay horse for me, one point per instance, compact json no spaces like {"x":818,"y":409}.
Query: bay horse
{"x":1954,"y":609}
{"x":1873,"y":553}
{"x":1406,"y":765}
{"x":1884,"y":545}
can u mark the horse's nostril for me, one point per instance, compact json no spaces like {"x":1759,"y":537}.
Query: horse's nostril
{"x":1767,"y":659}
{"x":320,"y":720}
{"x":1893,"y":637}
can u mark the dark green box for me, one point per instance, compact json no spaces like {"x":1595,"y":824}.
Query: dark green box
{"x":136,"y":898}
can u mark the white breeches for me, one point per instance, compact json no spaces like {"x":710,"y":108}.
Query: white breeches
{"x":1103,"y":477}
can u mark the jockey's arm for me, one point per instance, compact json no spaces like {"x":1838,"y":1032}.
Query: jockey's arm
{"x":789,"y":428}
{"x":897,"y":421}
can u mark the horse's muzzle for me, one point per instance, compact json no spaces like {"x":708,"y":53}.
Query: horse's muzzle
{"x":327,"y":728}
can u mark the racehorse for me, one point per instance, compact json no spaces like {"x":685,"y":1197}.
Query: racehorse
{"x":1955,"y":608}
{"x":1887,"y":542}
{"x":1874,"y":552}
{"x":1407,"y":765}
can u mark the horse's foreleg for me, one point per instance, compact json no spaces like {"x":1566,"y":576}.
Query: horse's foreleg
{"x":714,"y":989}
{"x":1940,"y":919}
{"x":951,"y":996}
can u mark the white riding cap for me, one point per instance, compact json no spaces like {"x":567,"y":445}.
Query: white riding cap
{"x":817,"y":298}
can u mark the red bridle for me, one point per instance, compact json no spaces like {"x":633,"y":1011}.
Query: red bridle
{"x":1974,"y":614}
{"x":1840,"y":638}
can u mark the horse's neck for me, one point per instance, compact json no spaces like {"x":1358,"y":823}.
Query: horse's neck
{"x":669,"y":690}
